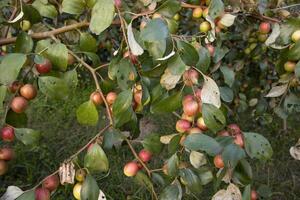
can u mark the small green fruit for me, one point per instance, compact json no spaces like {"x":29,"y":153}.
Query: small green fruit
{"x":296,"y":36}
{"x":25,"y":25}
{"x":204,"y":27}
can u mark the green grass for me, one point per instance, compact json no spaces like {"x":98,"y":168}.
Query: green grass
{"x":62,"y":136}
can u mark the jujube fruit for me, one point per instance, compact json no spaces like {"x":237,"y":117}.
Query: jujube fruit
{"x":145,"y":155}
{"x":77,"y":190}
{"x":183,"y":125}
{"x":96,"y":98}
{"x":264,"y":27}
{"x":131,"y":169}
{"x":51,"y":182}
{"x":19,"y":104}
{"x":28,"y":91}
{"x":3,"y":167}
{"x":296,"y":36}
{"x":111,"y":97}
{"x":218,"y":161}
{"x":44,"y":67}
{"x":42,"y":194}
{"x":7,"y":153}
{"x":201,"y":124}
{"x":204,"y":27}
{"x":197,"y":12}
{"x":7,"y":134}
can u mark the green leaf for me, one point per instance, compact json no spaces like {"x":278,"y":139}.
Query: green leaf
{"x":71,"y":79}
{"x":123,"y":102}
{"x":187,"y":53}
{"x":247,"y":193}
{"x":10,"y":67}
{"x":294,"y":52}
{"x":232,"y":154}
{"x":216,"y":8}
{"x":228,"y":75}
{"x":152,"y":143}
{"x":112,"y":137}
{"x":89,"y":189}
{"x":226,"y":94}
{"x":42,"y":45}
{"x":45,"y":9}
{"x":242,"y":173}
{"x":168,"y":104}
{"x":172,"y":192}
{"x":169,"y":8}
{"x":24,"y":43}
{"x":96,"y":160}
{"x":156,"y":48}
{"x":213,"y":117}
{"x":174,"y":144}
{"x":202,"y":142}
{"x":143,"y":180}
{"x":58,"y":55}
{"x":28,"y":195}
{"x":172,"y":165}
{"x":28,"y":136}
{"x":87,"y":43}
{"x":204,"y":59}
{"x":126,"y":74}
{"x":87,"y":114}
{"x":191,"y":180}
{"x":3,"y":90}
{"x":156,"y":30}
{"x":257,"y":146}
{"x":31,"y":14}
{"x":102,"y":15}
{"x":219,"y":54}
{"x":205,"y":175}
{"x":74,"y":7}
{"x":94,"y":58}
{"x":53,"y":87}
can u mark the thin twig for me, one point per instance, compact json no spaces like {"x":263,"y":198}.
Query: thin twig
{"x":13,"y":14}
{"x":101,"y":66}
{"x":285,"y":7}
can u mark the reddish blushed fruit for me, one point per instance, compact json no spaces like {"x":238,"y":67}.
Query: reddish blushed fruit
{"x":182,"y":139}
{"x":205,"y":12}
{"x":188,"y":118}
{"x":218,"y":161}
{"x":111,"y":97}
{"x":28,"y":91}
{"x":131,"y":169}
{"x":44,"y":67}
{"x":118,"y":3}
{"x":223,"y":133}
{"x":138,"y":97}
{"x":254,"y":195}
{"x":8,"y":134}
{"x":200,"y":123}
{"x":183,"y":125}
{"x":7,"y":153}
{"x":289,"y":66}
{"x":96,"y":98}
{"x":197,"y":12}
{"x":19,"y":104}
{"x":145,"y":155}
{"x":191,"y":108}
{"x":211,"y":49}
{"x":42,"y":194}
{"x":194,"y":130}
{"x":51,"y":182}
{"x":187,"y":98}
{"x":234,"y":129}
{"x":71,"y":59}
{"x":3,"y":167}
{"x":15,"y":86}
{"x":239,"y":140}
{"x":264,"y":27}
{"x":190,"y":77}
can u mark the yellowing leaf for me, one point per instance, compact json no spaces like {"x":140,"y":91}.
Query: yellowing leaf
{"x":210,"y":93}
{"x":227,"y":20}
{"x":197,"y":159}
{"x":135,"y":48}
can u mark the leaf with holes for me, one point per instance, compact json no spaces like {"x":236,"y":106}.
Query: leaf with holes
{"x":257,"y":146}
{"x":277,"y":91}
{"x":232,"y":154}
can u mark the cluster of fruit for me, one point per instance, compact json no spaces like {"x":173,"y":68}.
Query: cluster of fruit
{"x":290,"y":66}
{"x":6,"y":153}
{"x":132,"y":168}
{"x":110,"y":98}
{"x":49,"y":185}
{"x":233,"y":130}
{"x":79,"y":176}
